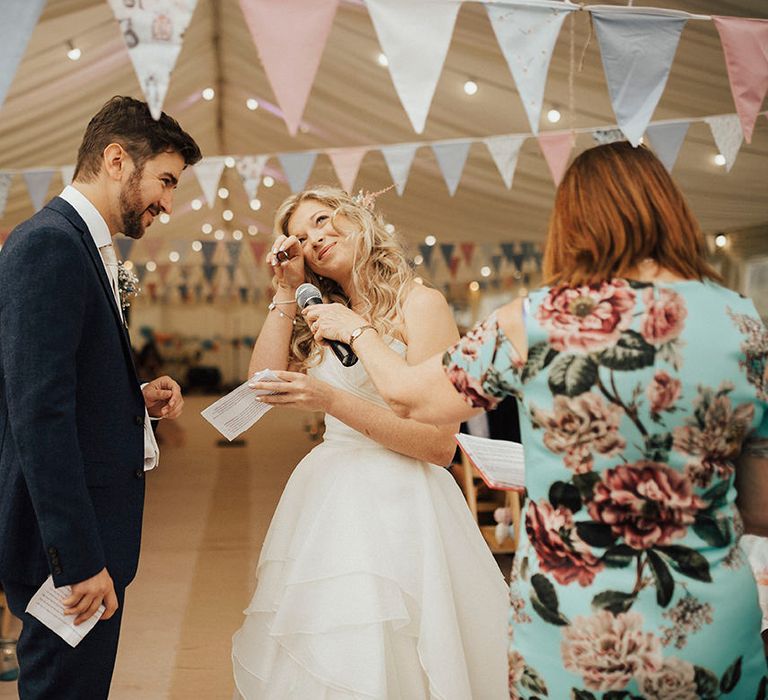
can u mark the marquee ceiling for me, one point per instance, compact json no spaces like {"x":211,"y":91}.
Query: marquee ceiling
{"x":353,"y":103}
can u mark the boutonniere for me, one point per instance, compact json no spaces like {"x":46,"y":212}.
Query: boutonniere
{"x":127,"y":285}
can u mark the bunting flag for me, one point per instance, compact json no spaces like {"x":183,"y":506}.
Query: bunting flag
{"x":297,"y":168}
{"x":209,"y":250}
{"x":399,"y":159}
{"x":346,"y":163}
{"x":603,"y":136}
{"x":153,"y":36}
{"x":453,"y":266}
{"x":414,"y":35}
{"x":508,"y":251}
{"x":208,"y":173}
{"x":467,"y":250}
{"x":140,"y":270}
{"x":209,"y":271}
{"x":527,"y":35}
{"x":451,"y":158}
{"x":447,"y":251}
{"x":124,"y":246}
{"x":152,"y":246}
{"x":666,"y":140}
{"x":259,"y":249}
{"x":38,"y":182}
{"x":19,"y":20}
{"x":556,"y":148}
{"x":504,"y":150}
{"x":250,"y":168}
{"x":728,"y":135}
{"x":5,"y":187}
{"x":496,"y":261}
{"x":745,"y":45}
{"x":233,"y":249}
{"x":67,"y":174}
{"x":426,"y":253}
{"x":637,"y":48}
{"x":290,"y":36}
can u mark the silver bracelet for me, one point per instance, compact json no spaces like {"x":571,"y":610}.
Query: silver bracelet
{"x":273,"y":307}
{"x":287,"y":301}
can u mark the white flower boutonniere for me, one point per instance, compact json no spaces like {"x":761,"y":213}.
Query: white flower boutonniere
{"x":127,"y":285}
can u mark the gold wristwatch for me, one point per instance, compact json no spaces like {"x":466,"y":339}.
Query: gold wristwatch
{"x":358,"y":332}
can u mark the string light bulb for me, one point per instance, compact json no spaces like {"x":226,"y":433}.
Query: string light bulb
{"x":73,"y":53}
{"x":721,"y":240}
{"x":208,"y":94}
{"x":719,"y":159}
{"x":553,"y":116}
{"x":471,"y":87}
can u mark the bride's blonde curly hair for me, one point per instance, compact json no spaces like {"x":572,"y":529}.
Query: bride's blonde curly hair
{"x":380,"y":270}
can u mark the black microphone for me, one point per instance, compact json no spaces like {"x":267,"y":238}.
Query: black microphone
{"x":308,"y":295}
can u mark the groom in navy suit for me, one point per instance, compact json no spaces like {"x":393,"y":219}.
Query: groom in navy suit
{"x":75,"y":439}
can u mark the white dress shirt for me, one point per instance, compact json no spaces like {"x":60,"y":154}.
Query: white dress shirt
{"x":101,"y":236}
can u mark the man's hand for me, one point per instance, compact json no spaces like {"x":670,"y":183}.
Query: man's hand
{"x":162,"y":397}
{"x":89,"y":594}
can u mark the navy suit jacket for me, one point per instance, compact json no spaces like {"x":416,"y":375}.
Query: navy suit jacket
{"x":71,"y":410}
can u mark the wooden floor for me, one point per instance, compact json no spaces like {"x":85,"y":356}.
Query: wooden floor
{"x":207,"y":511}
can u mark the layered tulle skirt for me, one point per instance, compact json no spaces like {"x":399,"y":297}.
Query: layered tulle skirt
{"x":373,"y":582}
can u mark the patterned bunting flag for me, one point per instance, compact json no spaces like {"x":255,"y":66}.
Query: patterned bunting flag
{"x":208,"y":173}
{"x":250,"y":168}
{"x":728,"y":135}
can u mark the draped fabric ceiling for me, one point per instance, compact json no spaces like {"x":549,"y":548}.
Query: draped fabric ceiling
{"x":353,"y":103}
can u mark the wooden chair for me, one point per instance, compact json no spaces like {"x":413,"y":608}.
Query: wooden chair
{"x":469,"y":478}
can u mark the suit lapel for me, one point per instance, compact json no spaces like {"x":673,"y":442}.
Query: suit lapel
{"x":68,"y":211}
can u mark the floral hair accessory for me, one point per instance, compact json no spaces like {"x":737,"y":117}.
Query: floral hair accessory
{"x":368,"y":199}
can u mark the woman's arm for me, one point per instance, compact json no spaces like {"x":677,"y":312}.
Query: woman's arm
{"x":429,"y":326}
{"x":752,"y":487}
{"x":421,"y":391}
{"x":272,"y":347}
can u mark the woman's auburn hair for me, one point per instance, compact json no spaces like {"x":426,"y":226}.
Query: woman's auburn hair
{"x":381,"y":272}
{"x":615,"y":207}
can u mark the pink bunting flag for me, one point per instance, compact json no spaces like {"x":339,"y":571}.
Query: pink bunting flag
{"x":467,"y":250}
{"x":347,"y":164}
{"x":557,"y":148}
{"x":290,"y":36}
{"x":259,"y":249}
{"x":745,"y":45}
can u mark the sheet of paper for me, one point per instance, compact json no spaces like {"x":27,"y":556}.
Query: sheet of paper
{"x":234,"y":413}
{"x":47,"y":605}
{"x":501,"y":463}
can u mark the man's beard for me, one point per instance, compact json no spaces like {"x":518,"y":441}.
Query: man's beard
{"x":130,"y":203}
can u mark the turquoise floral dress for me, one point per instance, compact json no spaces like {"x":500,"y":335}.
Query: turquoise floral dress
{"x":636,"y":400}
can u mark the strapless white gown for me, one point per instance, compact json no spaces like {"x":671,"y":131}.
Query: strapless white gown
{"x":373,"y":580}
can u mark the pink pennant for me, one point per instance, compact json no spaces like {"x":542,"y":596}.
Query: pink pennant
{"x":745,"y":45}
{"x":347,"y":165}
{"x":556,"y":148}
{"x":467,"y":250}
{"x":454,"y":266}
{"x":258,"y":248}
{"x":290,"y":36}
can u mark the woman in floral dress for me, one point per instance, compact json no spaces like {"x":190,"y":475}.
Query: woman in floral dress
{"x":644,"y":417}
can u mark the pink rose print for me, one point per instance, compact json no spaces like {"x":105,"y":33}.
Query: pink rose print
{"x":560,"y":550}
{"x":587,"y":319}
{"x":607,"y":651}
{"x":664,"y":315}
{"x":580,"y":426}
{"x":516,"y":668}
{"x":647,"y":504}
{"x":482,"y":334}
{"x":662,"y":393}
{"x":470,"y":388}
{"x":714,"y":435}
{"x":675,"y":680}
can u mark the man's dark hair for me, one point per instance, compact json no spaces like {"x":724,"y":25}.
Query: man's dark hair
{"x":129,"y":122}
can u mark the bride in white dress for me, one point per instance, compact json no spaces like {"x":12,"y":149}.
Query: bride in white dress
{"x":373,"y":580}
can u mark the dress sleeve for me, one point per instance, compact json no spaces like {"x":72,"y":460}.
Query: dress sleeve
{"x":484,"y":366}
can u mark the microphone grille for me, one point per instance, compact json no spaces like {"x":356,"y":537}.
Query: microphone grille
{"x":305,"y":293}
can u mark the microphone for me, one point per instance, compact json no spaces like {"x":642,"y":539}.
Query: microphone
{"x":308,"y":295}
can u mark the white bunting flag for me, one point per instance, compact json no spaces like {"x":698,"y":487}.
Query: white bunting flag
{"x":399,"y":159}
{"x":250,"y":168}
{"x":153,"y":33}
{"x":346,"y":163}
{"x":297,"y":168}
{"x":18,"y":23}
{"x":38,"y":182}
{"x":67,"y":174}
{"x":414,"y":35}
{"x":527,"y":35}
{"x":728,"y":135}
{"x":637,"y":48}
{"x":666,"y":140}
{"x":5,"y":188}
{"x":451,"y":158}
{"x":208,"y":173}
{"x":504,"y":150}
